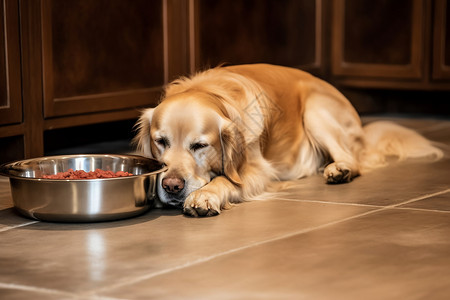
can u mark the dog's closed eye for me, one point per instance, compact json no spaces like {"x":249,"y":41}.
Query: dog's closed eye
{"x":163,"y":142}
{"x":197,"y":146}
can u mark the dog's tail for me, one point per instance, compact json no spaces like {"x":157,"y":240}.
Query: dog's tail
{"x":385,"y":140}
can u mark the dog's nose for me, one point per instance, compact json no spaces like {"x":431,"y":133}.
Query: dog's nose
{"x":172,"y":185}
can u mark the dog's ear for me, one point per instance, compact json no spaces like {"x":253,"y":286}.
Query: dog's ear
{"x":233,"y":151}
{"x":142,"y":138}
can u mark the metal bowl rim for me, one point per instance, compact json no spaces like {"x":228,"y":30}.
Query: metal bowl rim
{"x":3,"y":167}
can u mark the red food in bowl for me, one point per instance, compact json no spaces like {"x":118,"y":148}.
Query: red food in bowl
{"x":80,"y":174}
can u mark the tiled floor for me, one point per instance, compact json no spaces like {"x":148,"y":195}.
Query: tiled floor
{"x":384,"y":236}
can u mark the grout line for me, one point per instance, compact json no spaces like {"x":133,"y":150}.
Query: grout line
{"x":27,"y":288}
{"x":419,"y":198}
{"x":66,"y":295}
{"x":17,"y":226}
{"x":372,"y":205}
{"x":329,"y":202}
{"x":231,"y":251}
{"x":423,"y":209}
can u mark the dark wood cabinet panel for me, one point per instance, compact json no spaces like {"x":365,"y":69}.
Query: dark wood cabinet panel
{"x":101,"y":55}
{"x":177,"y":25}
{"x":378,"y":39}
{"x":10,"y":86}
{"x":3,"y":66}
{"x":285,"y":32}
{"x":371,"y":36}
{"x":441,"y":51}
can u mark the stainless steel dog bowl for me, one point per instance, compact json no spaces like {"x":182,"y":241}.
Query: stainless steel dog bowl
{"x":82,"y":200}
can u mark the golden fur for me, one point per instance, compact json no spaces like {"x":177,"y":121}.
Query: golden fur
{"x":226,"y":133}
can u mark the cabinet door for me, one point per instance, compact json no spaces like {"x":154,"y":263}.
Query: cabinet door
{"x":10,"y":92}
{"x":101,"y":55}
{"x":382,"y":38}
{"x":285,"y":32}
{"x":441,"y":57}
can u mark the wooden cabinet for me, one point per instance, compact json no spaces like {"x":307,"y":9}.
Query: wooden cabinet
{"x":441,"y":39}
{"x":378,"y":39}
{"x":11,"y":126}
{"x":100,"y":55}
{"x":10,"y":89}
{"x":390,"y":44}
{"x":284,"y":32}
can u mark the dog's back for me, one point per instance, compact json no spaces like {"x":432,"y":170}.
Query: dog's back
{"x":312,"y":124}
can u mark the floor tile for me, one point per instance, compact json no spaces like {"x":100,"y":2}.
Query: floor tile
{"x":390,"y":254}
{"x":83,"y":257}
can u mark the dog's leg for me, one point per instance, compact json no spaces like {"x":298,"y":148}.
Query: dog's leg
{"x":344,"y":166}
{"x":335,"y":129}
{"x":212,"y":198}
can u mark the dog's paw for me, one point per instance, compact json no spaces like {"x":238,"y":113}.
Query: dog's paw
{"x":337,"y":172}
{"x":202,"y":203}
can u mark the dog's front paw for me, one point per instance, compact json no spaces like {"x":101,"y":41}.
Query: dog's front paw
{"x":337,"y":172}
{"x":202,"y":203}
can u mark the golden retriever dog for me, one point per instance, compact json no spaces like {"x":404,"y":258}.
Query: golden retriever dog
{"x":227,"y":132}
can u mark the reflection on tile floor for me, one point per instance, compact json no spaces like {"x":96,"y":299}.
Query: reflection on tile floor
{"x":384,"y":236}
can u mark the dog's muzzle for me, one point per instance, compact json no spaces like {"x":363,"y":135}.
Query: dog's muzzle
{"x":172,"y":191}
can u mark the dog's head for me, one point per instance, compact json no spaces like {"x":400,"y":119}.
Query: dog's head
{"x":190,"y":133}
